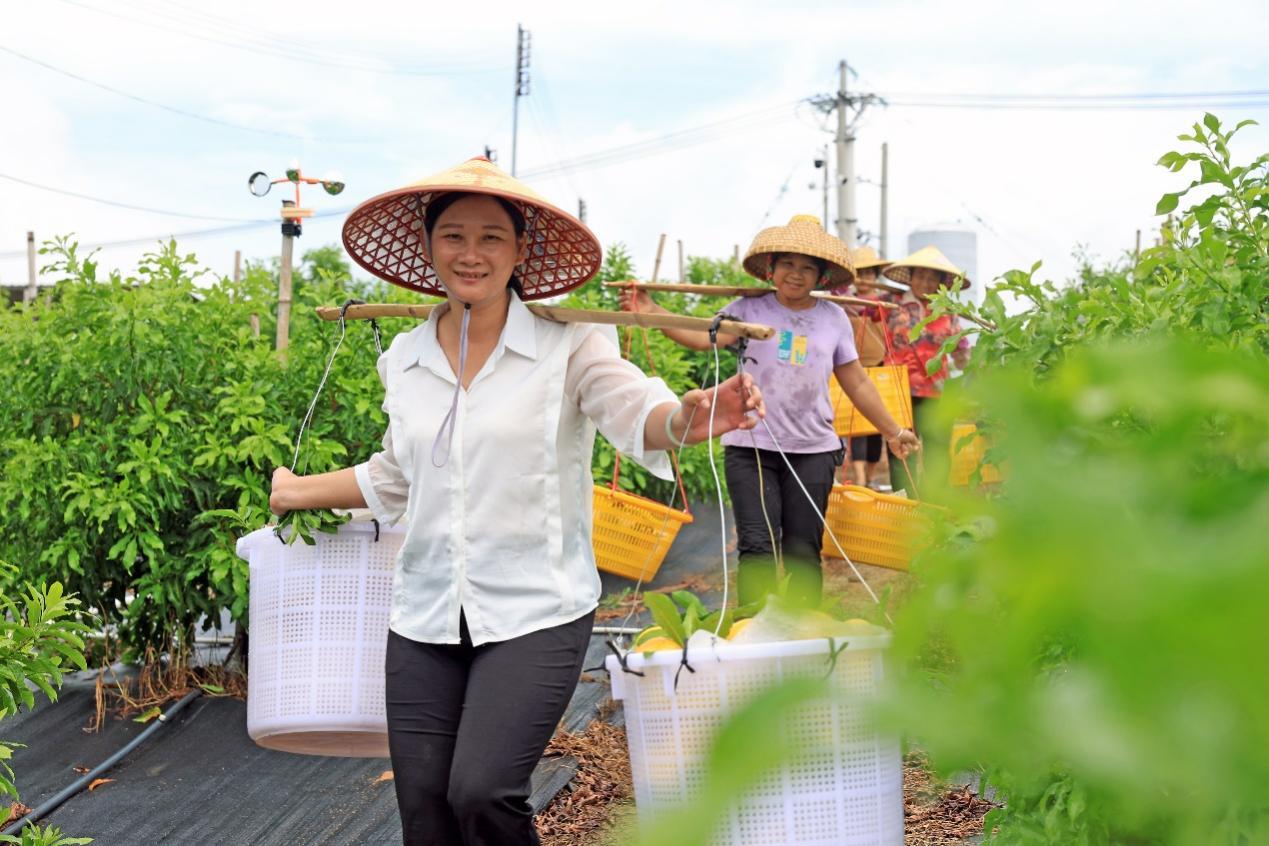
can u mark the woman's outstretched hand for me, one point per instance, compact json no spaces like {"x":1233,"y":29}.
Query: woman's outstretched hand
{"x":738,"y":399}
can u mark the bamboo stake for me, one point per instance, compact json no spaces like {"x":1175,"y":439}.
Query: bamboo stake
{"x":559,"y":314}
{"x":739,"y":291}
{"x":656,"y":267}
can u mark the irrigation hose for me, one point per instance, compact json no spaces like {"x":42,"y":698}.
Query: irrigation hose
{"x":52,"y":803}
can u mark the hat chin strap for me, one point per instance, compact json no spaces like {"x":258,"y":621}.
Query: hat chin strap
{"x":441,"y":456}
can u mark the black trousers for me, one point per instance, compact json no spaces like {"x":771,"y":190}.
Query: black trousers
{"x":798,"y":531}
{"x":466,"y":726}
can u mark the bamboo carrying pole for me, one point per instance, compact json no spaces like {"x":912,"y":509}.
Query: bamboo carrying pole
{"x":738,"y":291}
{"x":558,"y":314}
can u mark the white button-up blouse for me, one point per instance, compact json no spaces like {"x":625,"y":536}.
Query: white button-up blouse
{"x":502,"y":531}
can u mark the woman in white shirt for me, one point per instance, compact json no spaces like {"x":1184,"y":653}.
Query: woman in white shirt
{"x":492,"y":417}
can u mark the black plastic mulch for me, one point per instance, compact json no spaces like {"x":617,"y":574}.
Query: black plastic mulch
{"x":201,"y":780}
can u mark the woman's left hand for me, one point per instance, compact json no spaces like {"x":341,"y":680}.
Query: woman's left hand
{"x":904,"y":443}
{"x":737,"y":398}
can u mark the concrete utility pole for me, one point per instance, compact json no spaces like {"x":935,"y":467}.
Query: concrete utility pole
{"x":846,"y":219}
{"x":842,"y":103}
{"x":522,"y":87}
{"x":32,"y":289}
{"x":885,"y":186}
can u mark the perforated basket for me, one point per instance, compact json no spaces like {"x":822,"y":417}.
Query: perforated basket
{"x":875,"y":528}
{"x":969,"y":457}
{"x":319,"y":628}
{"x":891,"y":382}
{"x":632,"y":534}
{"x":847,"y":789}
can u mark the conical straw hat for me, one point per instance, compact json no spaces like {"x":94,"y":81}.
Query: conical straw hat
{"x":803,"y":234}
{"x":385,"y":234}
{"x":927,"y":257}
{"x":865,"y":257}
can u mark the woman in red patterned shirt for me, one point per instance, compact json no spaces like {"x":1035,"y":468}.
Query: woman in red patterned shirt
{"x":924,"y":272}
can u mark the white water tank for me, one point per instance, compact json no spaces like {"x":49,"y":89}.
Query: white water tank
{"x":961,"y":248}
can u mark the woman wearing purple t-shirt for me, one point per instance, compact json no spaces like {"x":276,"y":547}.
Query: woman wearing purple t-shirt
{"x":813,"y":343}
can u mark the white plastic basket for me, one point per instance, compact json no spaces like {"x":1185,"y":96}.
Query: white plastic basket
{"x":319,"y":628}
{"x":847,"y":790}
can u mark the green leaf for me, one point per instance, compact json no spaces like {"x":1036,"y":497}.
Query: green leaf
{"x":689,"y":601}
{"x":1167,"y":203}
{"x":147,"y":715}
{"x":1211,"y":122}
{"x":665,"y":615}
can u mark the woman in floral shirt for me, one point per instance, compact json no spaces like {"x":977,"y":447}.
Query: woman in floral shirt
{"x":924,"y":272}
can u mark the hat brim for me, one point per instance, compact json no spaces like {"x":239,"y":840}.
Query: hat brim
{"x":803,"y":235}
{"x":903,"y":273}
{"x":385,"y":235}
{"x":757,"y":264}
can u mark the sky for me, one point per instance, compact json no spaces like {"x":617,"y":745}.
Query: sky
{"x":170,"y":105}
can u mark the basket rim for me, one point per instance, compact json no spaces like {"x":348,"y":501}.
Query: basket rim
{"x":724,"y":650}
{"x":683,"y":516}
{"x":878,"y":496}
{"x":245,"y":543}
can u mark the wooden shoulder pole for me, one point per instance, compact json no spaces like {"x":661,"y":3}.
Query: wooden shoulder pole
{"x":754,"y":331}
{"x":737,"y":291}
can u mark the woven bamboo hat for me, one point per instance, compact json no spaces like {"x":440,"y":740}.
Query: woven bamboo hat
{"x":927,"y":257}
{"x":385,"y":234}
{"x":803,"y":234}
{"x":865,"y":257}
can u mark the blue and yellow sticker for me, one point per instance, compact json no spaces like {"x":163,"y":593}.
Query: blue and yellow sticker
{"x":792,"y":348}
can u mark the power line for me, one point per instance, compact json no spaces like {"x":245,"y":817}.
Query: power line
{"x":288,"y":53}
{"x":188,"y":235}
{"x":1089,"y":106}
{"x":165,"y":107}
{"x":1141,"y":95}
{"x":784,"y":189}
{"x":188,"y":16}
{"x":665,"y":143}
{"x":117,"y":204}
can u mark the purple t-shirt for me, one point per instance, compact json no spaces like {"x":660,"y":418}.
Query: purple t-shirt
{"x":792,"y":369}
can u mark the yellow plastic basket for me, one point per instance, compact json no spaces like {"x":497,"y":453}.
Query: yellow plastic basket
{"x":970,"y":456}
{"x":632,"y":534}
{"x":875,"y":528}
{"x":891,"y":382}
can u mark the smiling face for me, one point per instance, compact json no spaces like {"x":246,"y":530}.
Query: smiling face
{"x":475,"y":249}
{"x":795,"y":276}
{"x":924,"y":282}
